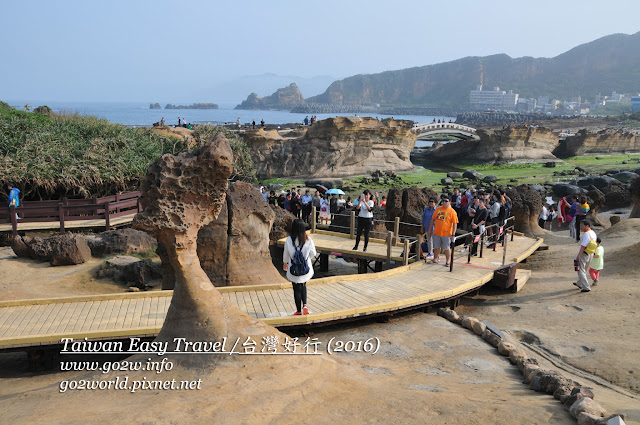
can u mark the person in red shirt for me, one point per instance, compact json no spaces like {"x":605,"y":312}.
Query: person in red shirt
{"x":445,"y":220}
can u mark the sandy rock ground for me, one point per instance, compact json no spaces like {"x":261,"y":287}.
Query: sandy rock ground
{"x":427,"y":370}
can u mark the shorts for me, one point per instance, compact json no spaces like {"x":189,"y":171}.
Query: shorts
{"x":442,"y":242}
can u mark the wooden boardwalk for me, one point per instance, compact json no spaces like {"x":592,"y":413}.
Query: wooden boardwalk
{"x":55,"y":225}
{"x":43,"y":322}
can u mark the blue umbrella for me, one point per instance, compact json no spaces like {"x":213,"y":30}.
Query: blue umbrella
{"x":334,"y":192}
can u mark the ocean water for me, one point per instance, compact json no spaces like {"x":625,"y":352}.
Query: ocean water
{"x":139,"y":114}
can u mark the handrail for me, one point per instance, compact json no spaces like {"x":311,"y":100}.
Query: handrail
{"x":50,"y":211}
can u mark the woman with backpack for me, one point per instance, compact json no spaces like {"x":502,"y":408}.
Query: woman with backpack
{"x":299,"y":252}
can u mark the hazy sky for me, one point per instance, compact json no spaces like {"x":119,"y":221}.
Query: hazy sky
{"x":154,"y":50}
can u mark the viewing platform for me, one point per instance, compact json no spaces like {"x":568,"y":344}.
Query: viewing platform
{"x":37,"y":325}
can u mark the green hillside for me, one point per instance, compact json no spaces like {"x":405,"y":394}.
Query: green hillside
{"x":611,"y":63}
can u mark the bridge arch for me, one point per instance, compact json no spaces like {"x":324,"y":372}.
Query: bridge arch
{"x":445,"y":128}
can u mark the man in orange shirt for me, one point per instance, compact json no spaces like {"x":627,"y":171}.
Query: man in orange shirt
{"x":445,"y":219}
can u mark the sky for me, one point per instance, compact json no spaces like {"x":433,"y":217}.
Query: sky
{"x":131,"y":50}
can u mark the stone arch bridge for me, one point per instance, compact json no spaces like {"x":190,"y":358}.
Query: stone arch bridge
{"x":451,"y":128}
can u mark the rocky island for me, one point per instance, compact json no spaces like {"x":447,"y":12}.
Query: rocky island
{"x":285,"y":99}
{"x":192,"y":106}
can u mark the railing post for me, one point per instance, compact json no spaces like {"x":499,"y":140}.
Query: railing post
{"x":14,"y":221}
{"x":389,"y":243}
{"x":419,"y":247}
{"x":405,"y":257}
{"x":453,"y":250}
{"x":504,"y":254}
{"x":61,"y":217}
{"x":513,"y":228}
{"x":482,"y":243}
{"x":396,"y":228}
{"x":352,"y":225}
{"x":470,"y":248}
{"x":106,"y":216}
{"x":313,"y":219}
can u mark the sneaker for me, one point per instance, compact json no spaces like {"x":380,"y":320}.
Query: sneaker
{"x":576,"y":284}
{"x":586,"y":290}
{"x":595,"y":283}
{"x":296,"y":313}
{"x":446,"y":264}
{"x":364,"y":250}
{"x":430,"y":257}
{"x":305,"y":309}
{"x":355,"y":248}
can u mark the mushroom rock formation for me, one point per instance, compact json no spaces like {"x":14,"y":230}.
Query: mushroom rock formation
{"x":234,"y":249}
{"x":526,"y":206}
{"x":635,"y":196}
{"x":408,"y":204}
{"x":180,"y":195}
{"x":596,"y":201}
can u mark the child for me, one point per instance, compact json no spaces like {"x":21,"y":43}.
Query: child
{"x":597,"y":263}
{"x":552,"y":216}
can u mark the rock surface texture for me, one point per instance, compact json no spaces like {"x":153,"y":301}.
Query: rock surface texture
{"x":635,"y":196}
{"x":59,"y":250}
{"x":180,"y":195}
{"x":340,"y":146}
{"x":122,"y":241}
{"x":526,"y":206}
{"x":234,"y":249}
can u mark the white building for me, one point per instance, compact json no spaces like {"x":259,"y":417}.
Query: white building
{"x":493,"y":99}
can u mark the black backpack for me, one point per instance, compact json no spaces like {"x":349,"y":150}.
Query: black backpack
{"x":502,"y":215}
{"x":299,"y":264}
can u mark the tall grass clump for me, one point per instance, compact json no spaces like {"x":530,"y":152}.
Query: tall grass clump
{"x":49,"y":156}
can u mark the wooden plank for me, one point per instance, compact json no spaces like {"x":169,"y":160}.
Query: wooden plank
{"x":79,"y":318}
{"x":144,"y":316}
{"x":29,"y":321}
{"x":53,"y":318}
{"x":268,"y":308}
{"x":5,"y":312}
{"x":115,"y":312}
{"x":68,"y":312}
{"x":120,"y":321}
{"x":286,"y":298}
{"x":256,"y":305}
{"x":19,"y":321}
{"x":276,"y":299}
{"x":52,"y":311}
{"x":13,"y":312}
{"x":251,"y":311}
{"x":91,"y":316}
{"x":102,"y":317}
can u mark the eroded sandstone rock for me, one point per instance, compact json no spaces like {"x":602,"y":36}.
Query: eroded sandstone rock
{"x":526,"y":205}
{"x":408,"y":204}
{"x":121,"y":241}
{"x":59,"y":250}
{"x":334,"y":146}
{"x":635,"y":196}
{"x":180,"y":195}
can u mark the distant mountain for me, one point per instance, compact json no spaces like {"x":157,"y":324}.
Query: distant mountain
{"x":283,"y":99}
{"x":237,"y":89}
{"x":611,"y":63}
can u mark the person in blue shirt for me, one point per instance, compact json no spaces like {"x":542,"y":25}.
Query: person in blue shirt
{"x":306,"y":205}
{"x":14,"y":197}
{"x":426,"y":220}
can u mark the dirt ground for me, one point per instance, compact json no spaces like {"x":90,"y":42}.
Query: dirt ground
{"x":427,"y":370}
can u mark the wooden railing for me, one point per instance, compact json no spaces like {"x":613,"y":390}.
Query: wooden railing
{"x":66,"y":210}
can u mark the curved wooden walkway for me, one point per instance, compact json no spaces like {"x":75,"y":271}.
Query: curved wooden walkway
{"x":43,"y":322}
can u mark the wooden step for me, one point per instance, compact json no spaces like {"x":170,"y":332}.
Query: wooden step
{"x":522,"y":276}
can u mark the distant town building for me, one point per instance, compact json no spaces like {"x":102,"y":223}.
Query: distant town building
{"x":493,"y":99}
{"x":526,"y":104}
{"x":635,"y":104}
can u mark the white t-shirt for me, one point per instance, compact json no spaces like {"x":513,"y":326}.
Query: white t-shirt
{"x":545,"y":213}
{"x":309,"y":252}
{"x":364,"y":212}
{"x":587,"y":237}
